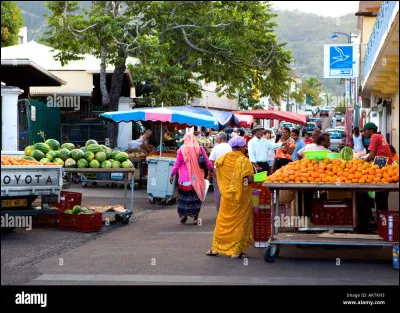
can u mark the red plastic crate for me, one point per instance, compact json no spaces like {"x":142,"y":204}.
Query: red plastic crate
{"x":262,"y":225}
{"x":332,"y":212}
{"x":68,"y":200}
{"x":84,"y":223}
{"x":45,"y":221}
{"x":265,"y":196}
{"x":388,"y":225}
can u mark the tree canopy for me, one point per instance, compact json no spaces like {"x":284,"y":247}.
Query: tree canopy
{"x":11,"y":23}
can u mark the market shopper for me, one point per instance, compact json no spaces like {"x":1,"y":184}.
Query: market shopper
{"x":220,"y":149}
{"x":307,"y":139}
{"x":270,"y":153}
{"x":258,"y":148}
{"x":191,"y":183}
{"x":378,"y":147}
{"x":284,"y":155}
{"x":357,"y":141}
{"x":234,"y":227}
{"x":295,"y":134}
{"x":141,"y":144}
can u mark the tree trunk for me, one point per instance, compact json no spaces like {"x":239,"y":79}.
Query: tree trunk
{"x":103,"y":77}
{"x":115,"y":93}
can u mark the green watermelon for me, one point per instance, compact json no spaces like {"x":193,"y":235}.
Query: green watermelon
{"x":76,"y":209}
{"x":114,"y":154}
{"x":127,"y":164}
{"x":106,"y":164}
{"x":82,"y":163}
{"x":37,"y":154}
{"x":101,"y":156}
{"x":94,"y":164}
{"x":51,"y":155}
{"x":58,"y":161}
{"x":42,"y":147}
{"x":53,"y":144}
{"x":93,"y":148}
{"x":346,"y":154}
{"x":64,"y":153}
{"x":28,"y":150}
{"x":68,"y":145}
{"x":115,"y":164}
{"x":121,"y":157}
{"x":70,"y":163}
{"x":27,"y":158}
{"x":89,"y":156}
{"x":44,"y":160}
{"x":91,"y":142}
{"x":84,"y":149}
{"x":68,"y":212}
{"x":77,"y":154}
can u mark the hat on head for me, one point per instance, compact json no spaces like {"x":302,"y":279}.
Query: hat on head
{"x":369,"y":126}
{"x":237,"y":141}
{"x":257,"y":127}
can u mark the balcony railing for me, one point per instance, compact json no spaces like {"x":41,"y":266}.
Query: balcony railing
{"x":383,"y":22}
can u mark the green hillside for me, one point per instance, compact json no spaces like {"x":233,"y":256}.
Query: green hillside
{"x":305,"y":34}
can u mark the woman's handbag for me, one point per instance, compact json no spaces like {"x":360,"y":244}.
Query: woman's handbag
{"x":202,"y":161}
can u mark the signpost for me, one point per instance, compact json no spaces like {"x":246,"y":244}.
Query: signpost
{"x":341,"y":61}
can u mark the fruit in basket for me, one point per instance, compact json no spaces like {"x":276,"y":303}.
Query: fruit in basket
{"x":28,"y":150}
{"x":42,"y":147}
{"x":68,"y":212}
{"x":127,"y":164}
{"x":70,"y":163}
{"x":64,"y":154}
{"x":121,"y":157}
{"x":82,"y":163}
{"x":76,"y":209}
{"x":115,"y":164}
{"x":89,"y":156}
{"x":91,"y":142}
{"x":37,"y":154}
{"x":51,"y":155}
{"x":335,"y":171}
{"x":94,"y":164}
{"x":68,"y":145}
{"x":101,"y":156}
{"x":106,"y":164}
{"x":77,"y":154}
{"x":58,"y":161}
{"x":346,"y":153}
{"x":53,"y":144}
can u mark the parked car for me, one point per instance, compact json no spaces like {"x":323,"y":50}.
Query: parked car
{"x":338,"y":116}
{"x":309,"y":112}
{"x":309,"y":128}
{"x":318,"y":121}
{"x":286,"y":124}
{"x":337,"y":135}
{"x":324,"y":112}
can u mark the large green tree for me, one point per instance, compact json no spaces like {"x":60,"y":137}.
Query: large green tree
{"x":11,"y":23}
{"x":312,"y":87}
{"x":177,"y":43}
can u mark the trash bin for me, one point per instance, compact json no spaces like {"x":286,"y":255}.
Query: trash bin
{"x":158,"y":185}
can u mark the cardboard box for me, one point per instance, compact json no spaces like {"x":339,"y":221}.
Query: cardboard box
{"x":339,"y":195}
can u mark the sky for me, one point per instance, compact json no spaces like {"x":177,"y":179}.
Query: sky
{"x":324,"y":8}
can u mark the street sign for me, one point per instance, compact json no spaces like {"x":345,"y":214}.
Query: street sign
{"x":341,"y":61}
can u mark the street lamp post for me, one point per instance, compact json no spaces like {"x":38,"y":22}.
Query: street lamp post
{"x":349,"y":41}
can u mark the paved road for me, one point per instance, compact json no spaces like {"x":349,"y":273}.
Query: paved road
{"x":154,"y":248}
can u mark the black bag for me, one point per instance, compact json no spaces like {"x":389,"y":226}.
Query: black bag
{"x":202,"y":161}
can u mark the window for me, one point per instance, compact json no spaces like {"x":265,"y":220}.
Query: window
{"x":336,"y":134}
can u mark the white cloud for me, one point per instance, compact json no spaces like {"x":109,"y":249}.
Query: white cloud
{"x":324,"y":8}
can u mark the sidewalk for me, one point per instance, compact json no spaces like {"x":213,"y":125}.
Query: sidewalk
{"x":154,"y":248}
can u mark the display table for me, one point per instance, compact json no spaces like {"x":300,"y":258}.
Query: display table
{"x":272,"y":246}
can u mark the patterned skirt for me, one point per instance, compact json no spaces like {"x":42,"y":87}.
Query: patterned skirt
{"x":189,"y":203}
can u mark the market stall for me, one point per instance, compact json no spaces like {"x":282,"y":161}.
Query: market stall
{"x":337,"y":218}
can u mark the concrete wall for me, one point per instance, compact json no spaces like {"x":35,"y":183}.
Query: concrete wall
{"x":210,"y":99}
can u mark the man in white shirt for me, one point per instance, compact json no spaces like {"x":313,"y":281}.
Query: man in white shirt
{"x":258,"y":148}
{"x":219,"y":150}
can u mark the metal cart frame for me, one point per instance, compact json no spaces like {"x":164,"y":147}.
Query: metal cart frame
{"x":122,"y":217}
{"x":272,"y":246}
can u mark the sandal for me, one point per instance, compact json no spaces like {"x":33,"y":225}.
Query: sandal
{"x":196,"y":221}
{"x":183,"y":220}
{"x":212,"y":253}
{"x":240,"y":256}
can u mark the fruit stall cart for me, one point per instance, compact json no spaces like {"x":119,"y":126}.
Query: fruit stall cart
{"x":121,"y":216}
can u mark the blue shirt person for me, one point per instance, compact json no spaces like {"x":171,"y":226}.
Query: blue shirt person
{"x":295,"y":134}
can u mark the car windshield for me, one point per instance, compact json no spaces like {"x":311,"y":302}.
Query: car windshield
{"x":310,"y":124}
{"x":336,"y":134}
{"x":287,"y":125}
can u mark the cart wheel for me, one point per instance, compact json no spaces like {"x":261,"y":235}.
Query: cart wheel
{"x":84,"y":185}
{"x":270,"y":253}
{"x":170,"y":201}
{"x":118,"y":218}
{"x":152,"y":200}
{"x":125,"y":220}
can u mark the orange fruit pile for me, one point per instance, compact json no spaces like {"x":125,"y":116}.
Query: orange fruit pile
{"x":335,"y":171}
{"x":17,"y":161}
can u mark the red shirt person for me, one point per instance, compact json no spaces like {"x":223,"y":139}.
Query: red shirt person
{"x":378,"y":146}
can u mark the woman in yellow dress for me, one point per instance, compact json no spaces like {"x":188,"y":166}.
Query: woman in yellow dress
{"x":233,"y":233}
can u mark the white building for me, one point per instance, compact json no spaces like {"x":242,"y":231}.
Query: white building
{"x":209,"y":99}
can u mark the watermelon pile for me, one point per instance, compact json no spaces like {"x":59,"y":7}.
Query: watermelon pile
{"x":92,"y":155}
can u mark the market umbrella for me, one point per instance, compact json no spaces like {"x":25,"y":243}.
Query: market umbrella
{"x":348,"y":124}
{"x":276,"y":115}
{"x":245,"y":121}
{"x":162,"y":115}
